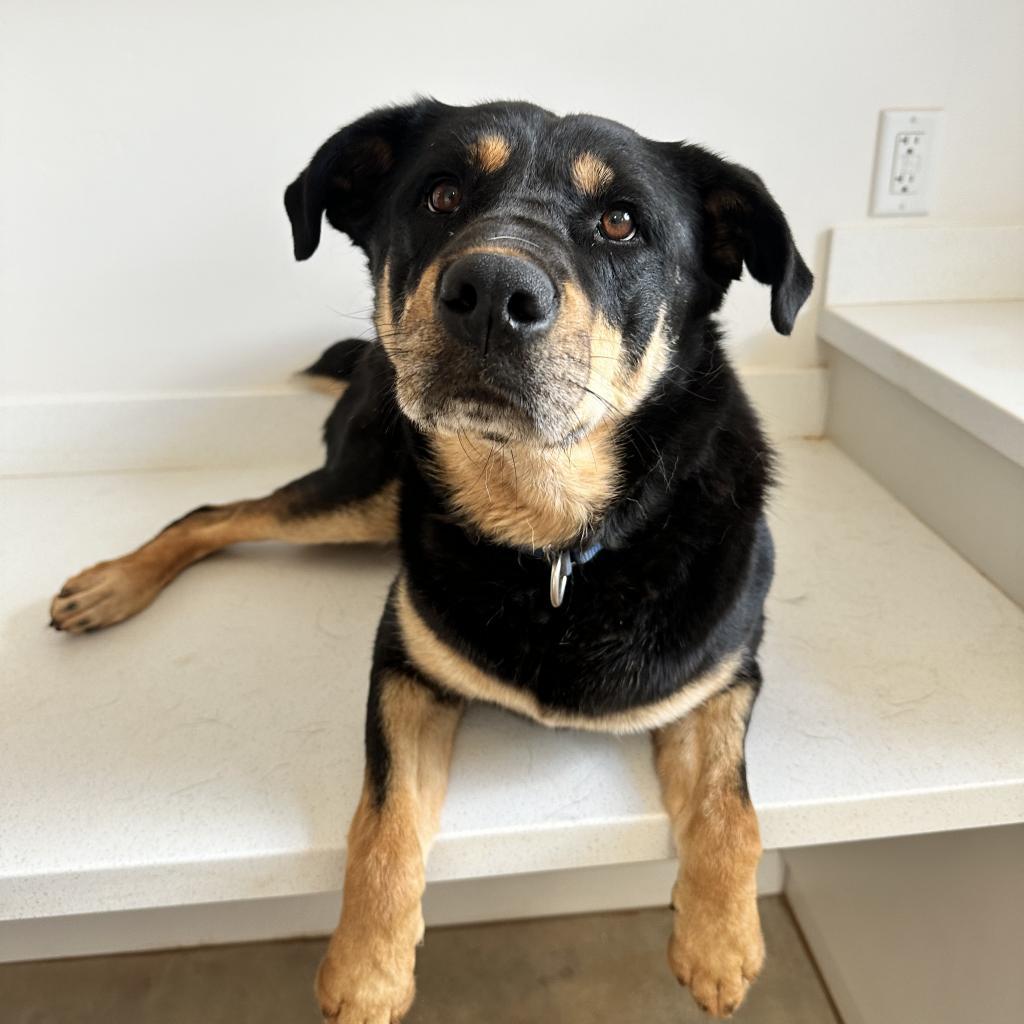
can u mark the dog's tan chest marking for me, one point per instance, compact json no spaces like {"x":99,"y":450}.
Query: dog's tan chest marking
{"x":490,"y":152}
{"x":457,"y":673}
{"x":527,"y":496}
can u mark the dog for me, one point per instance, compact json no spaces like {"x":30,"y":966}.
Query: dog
{"x":547,"y":425}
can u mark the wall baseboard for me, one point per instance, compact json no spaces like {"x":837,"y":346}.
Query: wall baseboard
{"x":120,"y":433}
{"x":117,"y":433}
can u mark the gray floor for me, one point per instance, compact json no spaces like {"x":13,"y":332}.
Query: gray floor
{"x":578,"y":970}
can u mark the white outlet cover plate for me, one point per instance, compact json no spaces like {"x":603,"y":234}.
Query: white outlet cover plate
{"x":887,"y":199}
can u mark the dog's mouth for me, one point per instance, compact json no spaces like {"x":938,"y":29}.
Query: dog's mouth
{"x":482,"y":396}
{"x":455,"y":405}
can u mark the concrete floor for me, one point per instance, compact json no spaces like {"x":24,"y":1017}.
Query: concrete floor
{"x":591,"y":969}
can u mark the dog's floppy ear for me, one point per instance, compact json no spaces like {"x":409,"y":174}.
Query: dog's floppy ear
{"x":350,"y":174}
{"x":743,"y":224}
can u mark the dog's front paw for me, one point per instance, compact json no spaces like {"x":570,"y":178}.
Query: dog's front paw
{"x":103,"y":595}
{"x":356,"y":987}
{"x":716,"y":950}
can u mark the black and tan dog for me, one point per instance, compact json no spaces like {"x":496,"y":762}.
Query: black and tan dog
{"x":547,"y":396}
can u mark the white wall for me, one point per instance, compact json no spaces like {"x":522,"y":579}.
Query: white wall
{"x":145,"y":147}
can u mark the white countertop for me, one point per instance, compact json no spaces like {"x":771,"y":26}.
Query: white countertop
{"x":211,"y":749}
{"x":963,"y":359}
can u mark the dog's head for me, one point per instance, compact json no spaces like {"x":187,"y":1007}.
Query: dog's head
{"x":535,"y":274}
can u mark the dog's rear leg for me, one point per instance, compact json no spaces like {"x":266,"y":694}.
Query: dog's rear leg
{"x":311,"y":510}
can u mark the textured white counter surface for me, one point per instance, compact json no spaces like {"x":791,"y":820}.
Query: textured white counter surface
{"x":963,"y":359}
{"x":211,"y":749}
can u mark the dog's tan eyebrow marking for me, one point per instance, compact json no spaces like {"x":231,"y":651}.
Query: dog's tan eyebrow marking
{"x":591,"y":174}
{"x":490,"y":152}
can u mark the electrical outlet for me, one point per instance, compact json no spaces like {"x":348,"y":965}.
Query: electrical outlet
{"x":905,"y":162}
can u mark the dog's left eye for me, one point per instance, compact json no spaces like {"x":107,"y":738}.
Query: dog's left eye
{"x":617,"y":225}
{"x":445,"y":196}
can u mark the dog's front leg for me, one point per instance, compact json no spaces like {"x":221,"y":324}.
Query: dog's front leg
{"x":366,"y":976}
{"x":716,"y":947}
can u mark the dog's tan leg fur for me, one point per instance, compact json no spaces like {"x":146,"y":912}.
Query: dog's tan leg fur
{"x":366,"y":976}
{"x":112,"y":591}
{"x":716,"y":949}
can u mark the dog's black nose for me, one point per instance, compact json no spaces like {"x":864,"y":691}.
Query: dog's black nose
{"x":489,"y":299}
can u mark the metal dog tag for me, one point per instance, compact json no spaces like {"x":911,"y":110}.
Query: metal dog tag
{"x":561,"y":570}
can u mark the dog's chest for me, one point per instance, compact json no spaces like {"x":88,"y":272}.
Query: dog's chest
{"x":619,"y":654}
{"x":611,"y":658}
{"x":563,"y":670}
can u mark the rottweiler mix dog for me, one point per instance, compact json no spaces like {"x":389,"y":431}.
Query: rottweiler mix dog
{"x":547,"y":424}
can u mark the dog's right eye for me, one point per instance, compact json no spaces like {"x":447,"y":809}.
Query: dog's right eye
{"x":445,"y":196}
{"x":617,"y":225}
